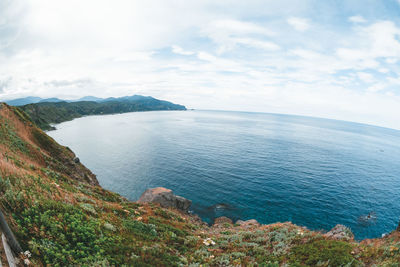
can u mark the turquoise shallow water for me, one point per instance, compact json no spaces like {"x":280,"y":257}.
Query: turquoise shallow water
{"x":313,"y":172}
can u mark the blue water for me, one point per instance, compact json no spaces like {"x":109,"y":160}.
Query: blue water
{"x":313,"y":172}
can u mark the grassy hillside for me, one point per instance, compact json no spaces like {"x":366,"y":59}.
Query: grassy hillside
{"x":64,"y":218}
{"x":47,"y":113}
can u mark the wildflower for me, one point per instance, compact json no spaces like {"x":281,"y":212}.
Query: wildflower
{"x":208,"y":242}
{"x":27,"y":254}
{"x":300,"y":232}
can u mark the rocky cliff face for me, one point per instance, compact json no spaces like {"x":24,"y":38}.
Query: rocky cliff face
{"x":165,"y":198}
{"x":59,"y":213}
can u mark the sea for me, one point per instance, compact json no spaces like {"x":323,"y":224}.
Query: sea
{"x":270,"y":167}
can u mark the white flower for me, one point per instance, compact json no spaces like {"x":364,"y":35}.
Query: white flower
{"x":27,"y":254}
{"x":208,"y":242}
{"x":299,"y":232}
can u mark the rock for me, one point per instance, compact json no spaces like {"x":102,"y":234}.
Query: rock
{"x":340,"y":232}
{"x":165,"y":198}
{"x":248,"y":223}
{"x":77,"y":160}
{"x":222,"y":220}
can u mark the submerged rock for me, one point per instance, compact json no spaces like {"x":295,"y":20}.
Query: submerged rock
{"x":369,"y":219}
{"x":165,"y":198}
{"x":340,"y":232}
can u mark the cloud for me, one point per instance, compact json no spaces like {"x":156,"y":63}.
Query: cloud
{"x":227,"y":34}
{"x":299,"y":24}
{"x":267,"y":45}
{"x":4,"y":83}
{"x":237,"y":27}
{"x":180,"y":51}
{"x":208,"y":54}
{"x":366,"y":77}
{"x":357,"y":19}
{"x":65,"y":83}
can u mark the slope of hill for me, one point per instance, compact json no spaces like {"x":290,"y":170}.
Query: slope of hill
{"x":45,"y":114}
{"x":63,"y":217}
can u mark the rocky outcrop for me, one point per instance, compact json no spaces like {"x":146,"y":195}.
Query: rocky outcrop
{"x":222,"y":220}
{"x":340,"y":232}
{"x":248,"y":223}
{"x":165,"y":198}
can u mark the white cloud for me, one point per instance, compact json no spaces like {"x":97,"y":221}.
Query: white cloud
{"x":365,"y":77}
{"x":230,"y":26}
{"x":180,"y":51}
{"x":357,"y":19}
{"x":299,"y":24}
{"x":267,"y":45}
{"x":205,"y":54}
{"x":228,"y":33}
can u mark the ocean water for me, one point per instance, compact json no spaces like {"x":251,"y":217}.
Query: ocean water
{"x":313,"y":172}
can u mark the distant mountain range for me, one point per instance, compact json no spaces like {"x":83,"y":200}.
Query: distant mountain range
{"x":45,"y":112}
{"x":35,"y":99}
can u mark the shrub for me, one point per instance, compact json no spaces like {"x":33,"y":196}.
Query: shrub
{"x":330,"y":252}
{"x":61,"y":234}
{"x":141,"y":230}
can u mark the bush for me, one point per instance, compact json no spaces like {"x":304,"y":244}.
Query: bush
{"x":141,"y":230}
{"x":323,"y":253}
{"x":61,"y":234}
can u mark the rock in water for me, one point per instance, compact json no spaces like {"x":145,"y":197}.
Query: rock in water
{"x":165,"y":198}
{"x":340,"y":232}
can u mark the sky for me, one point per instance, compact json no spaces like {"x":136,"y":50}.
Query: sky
{"x":332,"y":59}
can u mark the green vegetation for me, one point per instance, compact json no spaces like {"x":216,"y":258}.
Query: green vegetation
{"x":47,"y":113}
{"x":323,"y":253}
{"x":60,"y":214}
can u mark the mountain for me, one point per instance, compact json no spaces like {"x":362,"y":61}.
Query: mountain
{"x":88,"y":98}
{"x":46,"y":113}
{"x":52,"y":100}
{"x":23,"y":101}
{"x":34,"y":99}
{"x":60,"y":214}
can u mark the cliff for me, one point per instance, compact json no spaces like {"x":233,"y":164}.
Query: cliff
{"x":59,"y":213}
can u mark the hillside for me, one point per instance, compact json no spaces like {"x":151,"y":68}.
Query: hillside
{"x":63,"y":217}
{"x":44,"y":114}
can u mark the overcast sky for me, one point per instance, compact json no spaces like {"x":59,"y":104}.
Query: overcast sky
{"x":333,"y":59}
